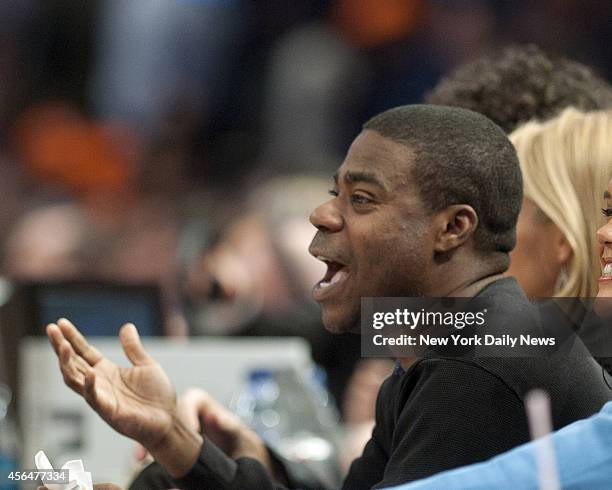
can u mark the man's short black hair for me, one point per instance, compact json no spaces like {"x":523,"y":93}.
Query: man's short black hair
{"x":521,"y":83}
{"x":461,"y":157}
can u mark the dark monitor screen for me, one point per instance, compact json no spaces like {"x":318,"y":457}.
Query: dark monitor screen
{"x":98,"y":309}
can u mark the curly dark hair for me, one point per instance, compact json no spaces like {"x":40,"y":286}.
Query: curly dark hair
{"x":521,"y":83}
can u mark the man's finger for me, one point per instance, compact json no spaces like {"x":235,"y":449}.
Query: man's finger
{"x":56,"y":337}
{"x":132,"y":346}
{"x":214,"y":415}
{"x":98,"y":399}
{"x":89,"y":389}
{"x":80,"y":364}
{"x":72,"y":365}
{"x":189,"y":407}
{"x":140,"y":452}
{"x":72,"y":377}
{"x":73,"y":362}
{"x":91,"y":355}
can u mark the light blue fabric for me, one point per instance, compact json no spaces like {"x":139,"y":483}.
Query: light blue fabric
{"x":584,"y":457}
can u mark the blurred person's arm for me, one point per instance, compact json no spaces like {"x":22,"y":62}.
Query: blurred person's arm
{"x":359,"y":406}
{"x":362,"y":390}
{"x":582,"y":451}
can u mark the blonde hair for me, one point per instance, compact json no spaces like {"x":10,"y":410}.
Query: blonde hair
{"x":566,"y":162}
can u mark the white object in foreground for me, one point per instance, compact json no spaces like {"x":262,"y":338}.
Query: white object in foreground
{"x":537,"y":403}
{"x":79,"y":479}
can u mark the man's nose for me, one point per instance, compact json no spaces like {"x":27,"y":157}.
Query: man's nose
{"x":327,"y":218}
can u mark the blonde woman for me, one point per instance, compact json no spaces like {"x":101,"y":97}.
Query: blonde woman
{"x":565,"y":163}
{"x":582,"y":449}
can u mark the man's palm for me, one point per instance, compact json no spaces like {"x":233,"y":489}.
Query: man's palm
{"x":138,"y":401}
{"x":135,"y":401}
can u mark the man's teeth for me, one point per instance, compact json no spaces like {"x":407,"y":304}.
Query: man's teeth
{"x":607,"y":270}
{"x":337,"y":277}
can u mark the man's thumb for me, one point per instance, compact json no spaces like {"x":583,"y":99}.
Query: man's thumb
{"x":132,"y":346}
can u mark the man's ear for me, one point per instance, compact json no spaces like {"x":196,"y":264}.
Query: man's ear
{"x":454,"y":226}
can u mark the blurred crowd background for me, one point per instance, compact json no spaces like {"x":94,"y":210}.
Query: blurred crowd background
{"x":185,"y":142}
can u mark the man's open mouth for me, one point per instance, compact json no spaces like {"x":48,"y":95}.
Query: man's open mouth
{"x":336,"y":273}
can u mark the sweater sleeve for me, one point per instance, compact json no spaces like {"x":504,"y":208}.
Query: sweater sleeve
{"x":213,"y":469}
{"x":450,"y":413}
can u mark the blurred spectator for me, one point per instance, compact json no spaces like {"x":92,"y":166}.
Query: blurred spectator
{"x":14,"y":17}
{"x":261,"y":264}
{"x":436,"y":36}
{"x":314,"y":85}
{"x":257,"y":277}
{"x":70,"y":241}
{"x":521,"y":83}
{"x":368,"y":23}
{"x":116,"y":223}
{"x":153,"y":56}
{"x":46,"y":244}
{"x":60,"y":147}
{"x":360,"y":406}
{"x":14,"y":187}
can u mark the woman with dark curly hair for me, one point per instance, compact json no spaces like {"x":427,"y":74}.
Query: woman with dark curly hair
{"x":522,"y":83}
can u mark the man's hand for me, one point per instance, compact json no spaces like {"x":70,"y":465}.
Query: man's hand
{"x":138,"y":402}
{"x":200,"y":412}
{"x":203,"y":414}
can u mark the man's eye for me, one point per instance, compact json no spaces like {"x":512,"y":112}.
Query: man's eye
{"x":333,"y":192}
{"x":360,"y":199}
{"x":607,"y":212}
